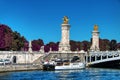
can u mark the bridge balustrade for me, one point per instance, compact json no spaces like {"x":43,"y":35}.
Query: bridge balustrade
{"x":93,"y":57}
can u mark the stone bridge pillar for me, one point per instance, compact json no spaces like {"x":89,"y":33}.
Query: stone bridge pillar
{"x":65,"y":44}
{"x":95,"y":39}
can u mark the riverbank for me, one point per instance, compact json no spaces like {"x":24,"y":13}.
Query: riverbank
{"x":20,"y":67}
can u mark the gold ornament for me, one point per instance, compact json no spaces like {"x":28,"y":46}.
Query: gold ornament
{"x":95,"y":28}
{"x":65,"y":20}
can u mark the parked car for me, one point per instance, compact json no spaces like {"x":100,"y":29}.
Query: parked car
{"x":1,"y":61}
{"x":5,"y":61}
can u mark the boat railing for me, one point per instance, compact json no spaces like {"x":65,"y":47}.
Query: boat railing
{"x":66,"y":63}
{"x":59,"y":63}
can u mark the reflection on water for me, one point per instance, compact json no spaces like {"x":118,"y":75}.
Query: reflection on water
{"x":85,"y":74}
{"x":68,"y":74}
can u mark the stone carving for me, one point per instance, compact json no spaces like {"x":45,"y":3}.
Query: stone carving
{"x":95,"y":28}
{"x":65,"y":20}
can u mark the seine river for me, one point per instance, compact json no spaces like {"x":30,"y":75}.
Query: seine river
{"x":86,"y":74}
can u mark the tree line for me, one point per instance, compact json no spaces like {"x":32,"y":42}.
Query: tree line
{"x":13,"y":41}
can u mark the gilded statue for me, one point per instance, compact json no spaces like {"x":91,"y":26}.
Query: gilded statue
{"x":95,"y":28}
{"x":65,"y":20}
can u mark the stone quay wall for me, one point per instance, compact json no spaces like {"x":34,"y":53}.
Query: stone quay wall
{"x":20,"y":57}
{"x":20,"y":61}
{"x":8,"y":68}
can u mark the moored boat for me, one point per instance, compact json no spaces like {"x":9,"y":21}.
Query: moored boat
{"x":48,"y":66}
{"x":60,"y":64}
{"x":67,"y":65}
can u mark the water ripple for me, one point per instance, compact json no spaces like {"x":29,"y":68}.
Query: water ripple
{"x":86,"y":74}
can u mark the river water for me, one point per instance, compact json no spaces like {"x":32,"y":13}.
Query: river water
{"x":85,"y":74}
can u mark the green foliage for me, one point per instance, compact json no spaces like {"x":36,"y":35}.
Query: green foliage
{"x":113,"y":45}
{"x":77,"y":45}
{"x":104,"y":44}
{"x":10,"y":40}
{"x":36,"y":44}
{"x":17,"y":42}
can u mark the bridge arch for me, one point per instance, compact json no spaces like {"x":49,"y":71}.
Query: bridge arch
{"x":103,"y":59}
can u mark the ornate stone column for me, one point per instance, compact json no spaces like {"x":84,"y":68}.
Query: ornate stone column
{"x":30,"y":47}
{"x":95,"y":39}
{"x":65,"y":42}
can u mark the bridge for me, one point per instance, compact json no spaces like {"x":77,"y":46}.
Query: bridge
{"x":103,"y":59}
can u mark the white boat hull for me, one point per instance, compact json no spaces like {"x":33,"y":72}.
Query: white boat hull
{"x":72,"y":66}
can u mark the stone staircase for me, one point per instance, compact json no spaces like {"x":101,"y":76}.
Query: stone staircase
{"x":56,"y":55}
{"x":38,"y":60}
{"x":47,"y":57}
{"x":42,"y":58}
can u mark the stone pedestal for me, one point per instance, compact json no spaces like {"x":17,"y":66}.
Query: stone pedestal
{"x":42,"y":49}
{"x":65,"y":43}
{"x":30,"y":47}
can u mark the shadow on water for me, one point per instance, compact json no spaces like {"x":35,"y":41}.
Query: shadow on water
{"x":85,"y":74}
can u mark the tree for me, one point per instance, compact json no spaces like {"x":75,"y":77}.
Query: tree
{"x":53,"y":46}
{"x":73,"y":46}
{"x":10,"y":40}
{"x":5,"y":37}
{"x":113,"y":45}
{"x":36,"y":44}
{"x":86,"y":45}
{"x":118,"y":46}
{"x":104,"y":44}
{"x":47,"y":48}
{"x":17,"y":42}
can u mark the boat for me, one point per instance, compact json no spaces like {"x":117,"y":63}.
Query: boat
{"x":67,"y":65}
{"x":48,"y":66}
{"x":61,"y":64}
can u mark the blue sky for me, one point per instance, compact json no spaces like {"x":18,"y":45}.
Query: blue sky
{"x":42,"y":19}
